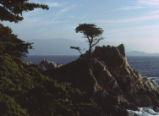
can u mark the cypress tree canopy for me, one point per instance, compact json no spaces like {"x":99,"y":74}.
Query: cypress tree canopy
{"x":92,"y":33}
{"x":12,"y":10}
{"x":11,"y":44}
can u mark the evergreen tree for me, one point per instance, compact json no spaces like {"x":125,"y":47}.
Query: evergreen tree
{"x":12,"y":10}
{"x":11,"y":44}
{"x":92,"y":33}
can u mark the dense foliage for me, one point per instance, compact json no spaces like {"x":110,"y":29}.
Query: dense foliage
{"x":24,"y":90}
{"x":12,"y":10}
{"x":11,"y":44}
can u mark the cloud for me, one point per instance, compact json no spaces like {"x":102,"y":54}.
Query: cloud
{"x":140,"y":18}
{"x":53,"y":4}
{"x":153,"y":15}
{"x":64,"y":10}
{"x":140,"y":4}
{"x":131,"y":8}
{"x":144,"y":29}
{"x":150,"y":3}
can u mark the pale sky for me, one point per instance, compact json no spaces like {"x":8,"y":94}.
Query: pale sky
{"x":134,"y":23}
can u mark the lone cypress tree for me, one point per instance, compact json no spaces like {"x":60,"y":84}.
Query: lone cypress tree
{"x":92,"y":33}
{"x":12,"y":10}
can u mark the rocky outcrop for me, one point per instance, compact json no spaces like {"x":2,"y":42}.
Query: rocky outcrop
{"x":47,"y":65}
{"x":135,"y":88}
{"x":110,"y":81}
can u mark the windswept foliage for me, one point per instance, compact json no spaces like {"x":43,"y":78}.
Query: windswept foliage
{"x":92,"y":33}
{"x":76,"y":48}
{"x":12,"y":10}
{"x":11,"y":44}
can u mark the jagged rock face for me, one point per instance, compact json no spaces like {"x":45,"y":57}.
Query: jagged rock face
{"x":112,"y":56}
{"x":135,"y":88}
{"x":96,"y":80}
{"x":110,"y":81}
{"x":47,"y":65}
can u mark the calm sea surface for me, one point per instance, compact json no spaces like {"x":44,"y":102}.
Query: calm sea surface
{"x":147,"y":66}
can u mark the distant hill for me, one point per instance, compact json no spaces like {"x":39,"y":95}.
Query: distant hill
{"x":62,"y":47}
{"x":138,"y":53}
{"x":55,"y":47}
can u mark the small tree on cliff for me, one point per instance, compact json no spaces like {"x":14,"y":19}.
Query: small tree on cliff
{"x":92,"y":33}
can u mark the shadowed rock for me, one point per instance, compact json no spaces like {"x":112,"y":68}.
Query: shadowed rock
{"x":47,"y":65}
{"x":136,"y":89}
{"x":110,"y":81}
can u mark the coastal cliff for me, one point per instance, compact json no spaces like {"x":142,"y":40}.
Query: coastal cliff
{"x":108,"y":79}
{"x":104,"y":85}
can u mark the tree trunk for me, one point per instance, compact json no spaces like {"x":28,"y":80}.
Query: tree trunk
{"x":90,"y":50}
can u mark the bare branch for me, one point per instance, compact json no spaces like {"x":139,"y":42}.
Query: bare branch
{"x":76,"y":48}
{"x":97,"y":41}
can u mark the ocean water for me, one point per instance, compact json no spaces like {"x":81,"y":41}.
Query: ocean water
{"x":146,"y":66}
